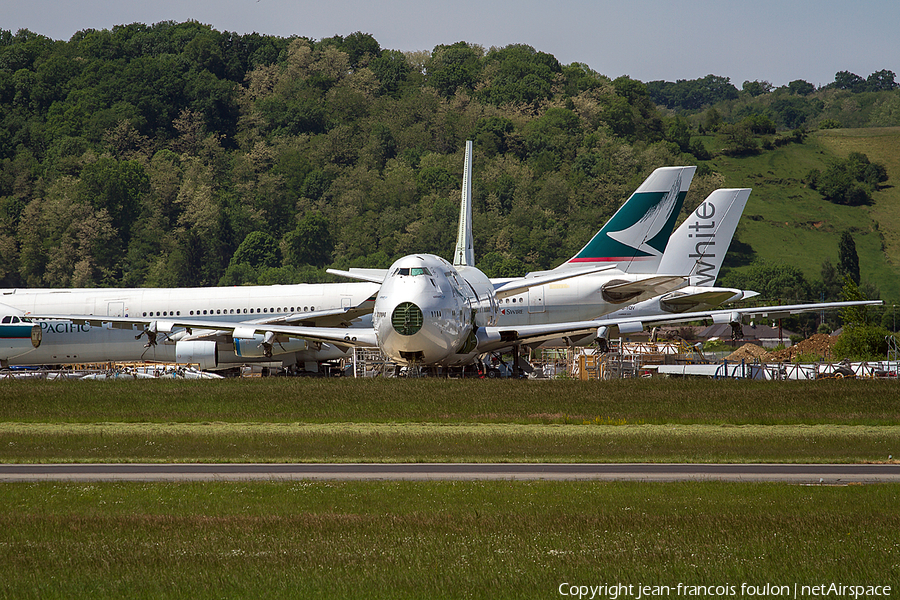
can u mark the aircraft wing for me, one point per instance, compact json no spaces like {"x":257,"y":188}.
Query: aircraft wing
{"x":341,"y":336}
{"x":728,"y":315}
{"x":338,"y":317}
{"x":370,"y":275}
{"x":495,"y":338}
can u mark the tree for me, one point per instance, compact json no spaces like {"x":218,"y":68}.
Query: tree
{"x":518,"y":74}
{"x":774,"y":282}
{"x":849,"y":181}
{"x":800,"y":87}
{"x":310,"y":243}
{"x":845,"y":80}
{"x":848,"y":260}
{"x":860,"y":340}
{"x":257,"y":250}
{"x":453,"y":67}
{"x":116,"y":187}
{"x":881,"y":81}
{"x":757,"y":88}
{"x":392,"y":70}
{"x":740,"y":139}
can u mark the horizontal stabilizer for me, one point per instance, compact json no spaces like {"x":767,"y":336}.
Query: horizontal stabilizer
{"x":651,"y":286}
{"x":707,"y":299}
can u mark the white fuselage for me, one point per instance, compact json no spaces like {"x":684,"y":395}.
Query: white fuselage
{"x":576,"y":299}
{"x":427,"y":309}
{"x":64,"y":342}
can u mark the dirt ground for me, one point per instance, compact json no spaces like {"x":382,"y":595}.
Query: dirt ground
{"x":819,"y":343}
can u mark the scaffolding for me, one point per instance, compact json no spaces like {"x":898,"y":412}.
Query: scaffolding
{"x":629,"y":360}
{"x":371,"y":362}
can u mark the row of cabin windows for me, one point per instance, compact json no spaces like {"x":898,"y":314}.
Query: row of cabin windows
{"x":226,"y":311}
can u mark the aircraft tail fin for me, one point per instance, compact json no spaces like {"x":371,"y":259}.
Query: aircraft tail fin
{"x":636,"y":236}
{"x":464,"y":255}
{"x":698,"y":246}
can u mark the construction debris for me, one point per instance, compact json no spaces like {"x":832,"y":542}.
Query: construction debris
{"x":819,"y":344}
{"x":748,"y":352}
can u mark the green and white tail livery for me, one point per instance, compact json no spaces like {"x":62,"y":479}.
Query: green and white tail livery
{"x":636,"y":236}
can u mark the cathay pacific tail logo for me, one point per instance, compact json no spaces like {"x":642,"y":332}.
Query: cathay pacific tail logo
{"x":642,"y":234}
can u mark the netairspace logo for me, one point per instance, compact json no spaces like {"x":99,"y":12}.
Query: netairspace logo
{"x":745,"y":590}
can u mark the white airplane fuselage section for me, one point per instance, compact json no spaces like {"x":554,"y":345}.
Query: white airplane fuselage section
{"x":576,"y":299}
{"x":427,"y":310}
{"x":68,"y":342}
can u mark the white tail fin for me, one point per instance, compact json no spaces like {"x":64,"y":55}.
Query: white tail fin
{"x":698,"y":246}
{"x":464,"y":255}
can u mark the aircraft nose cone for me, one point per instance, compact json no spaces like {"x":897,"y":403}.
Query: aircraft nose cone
{"x":407,"y":318}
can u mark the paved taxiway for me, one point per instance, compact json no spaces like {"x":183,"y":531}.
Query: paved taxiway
{"x":792,"y":473}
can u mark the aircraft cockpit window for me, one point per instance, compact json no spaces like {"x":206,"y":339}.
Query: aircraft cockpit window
{"x":414,"y":271}
{"x":7,"y":319}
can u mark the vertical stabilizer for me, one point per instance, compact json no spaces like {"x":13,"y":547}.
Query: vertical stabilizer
{"x":636,"y":236}
{"x":698,"y":246}
{"x":464,"y":255}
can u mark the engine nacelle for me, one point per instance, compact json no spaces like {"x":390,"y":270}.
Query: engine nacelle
{"x":630,"y":327}
{"x":732,"y":317}
{"x":199,"y":352}
{"x":256,"y":346}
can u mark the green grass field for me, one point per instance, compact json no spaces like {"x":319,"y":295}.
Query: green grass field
{"x":443,"y":539}
{"x":436,"y":540}
{"x":785,"y":221}
{"x":434,"y":420}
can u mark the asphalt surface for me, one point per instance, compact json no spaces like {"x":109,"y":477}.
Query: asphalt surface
{"x":827,"y":474}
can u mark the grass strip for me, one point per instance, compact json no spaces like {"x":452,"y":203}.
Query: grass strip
{"x":431,"y":442}
{"x":289,"y":400}
{"x":437,"y":539}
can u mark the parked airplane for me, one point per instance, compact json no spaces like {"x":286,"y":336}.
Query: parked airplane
{"x":649,"y":216}
{"x":697,"y":249}
{"x":426,"y":311}
{"x":18,"y":336}
{"x":96,"y":340}
{"x":66,"y":341}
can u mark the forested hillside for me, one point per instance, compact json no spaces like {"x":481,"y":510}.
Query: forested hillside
{"x":177,"y":155}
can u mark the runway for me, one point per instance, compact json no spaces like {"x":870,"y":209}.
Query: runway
{"x":825,"y":474}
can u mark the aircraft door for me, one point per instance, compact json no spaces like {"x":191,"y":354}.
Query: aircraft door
{"x":536,"y":299}
{"x":115,"y":309}
{"x":345,"y":302}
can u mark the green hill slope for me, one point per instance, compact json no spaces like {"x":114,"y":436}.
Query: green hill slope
{"x":787,"y":222}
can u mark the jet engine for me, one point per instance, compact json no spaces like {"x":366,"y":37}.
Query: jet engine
{"x":200,"y":352}
{"x":265,"y":345}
